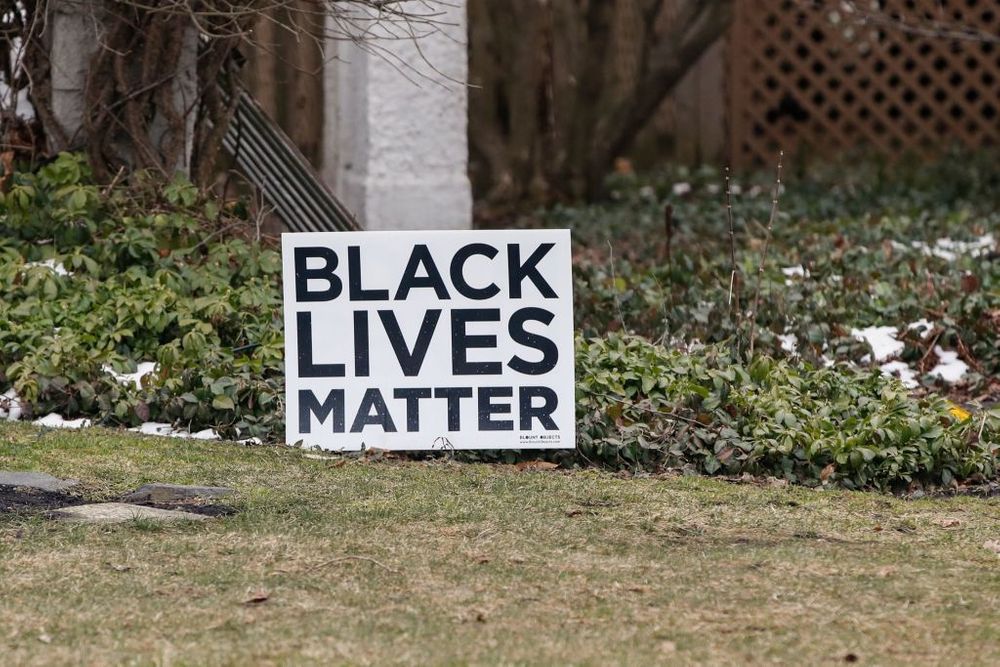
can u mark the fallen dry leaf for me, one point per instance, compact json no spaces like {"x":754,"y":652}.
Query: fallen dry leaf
{"x":948,"y":523}
{"x":827,"y":471}
{"x":623,"y":165}
{"x":970,"y":282}
{"x":536,"y":465}
{"x":7,"y":160}
{"x":668,"y":647}
{"x":257,"y":598}
{"x":992,"y":545}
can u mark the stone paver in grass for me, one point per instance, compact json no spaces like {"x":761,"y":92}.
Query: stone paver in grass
{"x":173,"y":493}
{"x":121,"y":513}
{"x":35,"y":480}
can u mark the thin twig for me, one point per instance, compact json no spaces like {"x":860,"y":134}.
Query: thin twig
{"x":934,"y":29}
{"x":114,"y":181}
{"x":217,"y":232}
{"x":921,"y":365}
{"x":734,"y":277}
{"x":653,"y":411}
{"x":614,"y":286}
{"x":733,"y":286}
{"x":668,"y":228}
{"x":763,"y":255}
{"x":341,"y":559}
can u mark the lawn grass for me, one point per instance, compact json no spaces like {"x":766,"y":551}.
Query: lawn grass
{"x":380,"y":562}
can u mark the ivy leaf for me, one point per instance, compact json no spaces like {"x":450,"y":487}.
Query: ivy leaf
{"x":223,"y":402}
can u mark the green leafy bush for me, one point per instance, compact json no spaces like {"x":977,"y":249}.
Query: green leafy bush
{"x":642,"y":405}
{"x":94,"y":280}
{"x":148,"y":280}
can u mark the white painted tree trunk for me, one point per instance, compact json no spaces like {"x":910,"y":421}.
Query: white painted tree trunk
{"x":395,"y":141}
{"x":74,"y":40}
{"x":76,"y":35}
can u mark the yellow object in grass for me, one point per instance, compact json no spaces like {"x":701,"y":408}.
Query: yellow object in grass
{"x":959,"y":413}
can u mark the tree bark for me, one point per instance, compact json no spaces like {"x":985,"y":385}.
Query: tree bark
{"x":697,"y":26}
{"x":550,"y":107}
{"x":304,"y":114}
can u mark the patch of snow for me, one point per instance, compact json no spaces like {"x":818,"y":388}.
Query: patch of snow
{"x":789,"y":343}
{"x":949,"y":367}
{"x":155,"y":428}
{"x":250,"y":441}
{"x":55,"y":420}
{"x":794,"y":272}
{"x":950,"y":250}
{"x":923,"y":327}
{"x":827,"y":361}
{"x":168,"y":431}
{"x":681,"y":189}
{"x":736,"y":189}
{"x":797,"y":270}
{"x":683,"y":345}
{"x":52,"y":265}
{"x":143,"y":369}
{"x":901,"y":370}
{"x":10,"y":405}
{"x":881,"y":339}
{"x":19,"y":101}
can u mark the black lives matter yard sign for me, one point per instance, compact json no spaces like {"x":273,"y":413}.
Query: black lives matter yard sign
{"x":429,"y":340}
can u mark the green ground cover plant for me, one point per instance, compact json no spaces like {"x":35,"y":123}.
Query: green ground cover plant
{"x":643,"y":406}
{"x":95,"y":280}
{"x":861,"y":246}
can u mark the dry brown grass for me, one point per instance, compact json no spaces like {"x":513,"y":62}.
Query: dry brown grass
{"x":377,"y":563}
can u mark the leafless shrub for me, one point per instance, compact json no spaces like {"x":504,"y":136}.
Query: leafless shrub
{"x":133,"y":116}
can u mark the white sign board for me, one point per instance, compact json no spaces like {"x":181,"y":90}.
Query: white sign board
{"x":429,"y":340}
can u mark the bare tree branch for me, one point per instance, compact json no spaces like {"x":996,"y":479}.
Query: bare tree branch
{"x":134,"y":115}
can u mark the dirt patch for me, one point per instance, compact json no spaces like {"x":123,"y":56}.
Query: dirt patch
{"x":24,"y":500}
{"x":985,"y":490}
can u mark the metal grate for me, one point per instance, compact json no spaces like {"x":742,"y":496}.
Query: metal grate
{"x":272,"y":163}
{"x":891,"y":76}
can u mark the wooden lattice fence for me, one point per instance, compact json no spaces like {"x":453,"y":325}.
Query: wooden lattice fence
{"x":894,"y":77}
